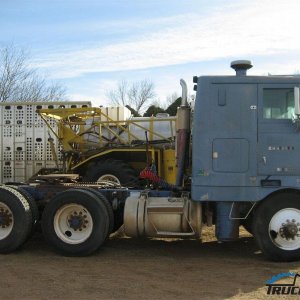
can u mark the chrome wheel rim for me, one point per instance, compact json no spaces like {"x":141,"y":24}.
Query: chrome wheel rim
{"x":284,"y":229}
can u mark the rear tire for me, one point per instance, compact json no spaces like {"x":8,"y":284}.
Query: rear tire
{"x":276,"y":227}
{"x":15,"y":219}
{"x":111,"y":170}
{"x":33,"y":207}
{"x":108,"y":206}
{"x":75,"y":222}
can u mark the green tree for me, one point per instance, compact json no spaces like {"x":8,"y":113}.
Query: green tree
{"x":153,"y":110}
{"x":172,"y":108}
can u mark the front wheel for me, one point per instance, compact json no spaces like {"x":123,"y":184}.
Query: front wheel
{"x":276,"y":227}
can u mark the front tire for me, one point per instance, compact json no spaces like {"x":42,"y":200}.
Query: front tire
{"x":276,"y":227}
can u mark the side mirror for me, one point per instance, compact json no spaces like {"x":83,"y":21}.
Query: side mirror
{"x":297,"y":101}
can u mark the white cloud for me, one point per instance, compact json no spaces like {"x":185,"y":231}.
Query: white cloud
{"x":244,"y":30}
{"x":95,"y":91}
{"x":96,"y":100}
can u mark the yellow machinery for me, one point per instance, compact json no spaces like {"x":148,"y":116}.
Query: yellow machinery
{"x":99,"y":147}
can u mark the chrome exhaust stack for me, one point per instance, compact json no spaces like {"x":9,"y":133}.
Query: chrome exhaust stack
{"x":182,"y":134}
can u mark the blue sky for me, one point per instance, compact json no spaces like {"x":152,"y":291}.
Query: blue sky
{"x":90,"y":45}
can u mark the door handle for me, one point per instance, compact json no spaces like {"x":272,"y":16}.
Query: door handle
{"x":264,"y":159}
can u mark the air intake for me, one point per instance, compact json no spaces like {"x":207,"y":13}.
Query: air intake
{"x":241,"y":67}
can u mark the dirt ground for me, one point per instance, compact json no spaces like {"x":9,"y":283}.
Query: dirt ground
{"x":142,"y":269}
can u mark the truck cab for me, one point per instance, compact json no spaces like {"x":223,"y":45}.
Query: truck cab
{"x":245,"y":157}
{"x":245,"y":137}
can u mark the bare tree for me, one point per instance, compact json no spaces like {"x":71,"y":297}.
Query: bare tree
{"x":119,"y":95}
{"x":19,"y":82}
{"x":136,"y":95}
{"x":141,"y":93}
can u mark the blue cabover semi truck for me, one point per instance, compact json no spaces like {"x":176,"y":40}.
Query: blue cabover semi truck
{"x":237,"y":163}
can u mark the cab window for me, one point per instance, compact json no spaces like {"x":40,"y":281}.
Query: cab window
{"x":278,"y":103}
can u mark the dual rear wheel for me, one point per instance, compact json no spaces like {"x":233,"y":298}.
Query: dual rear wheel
{"x":76,"y":222}
{"x":18,"y":215}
